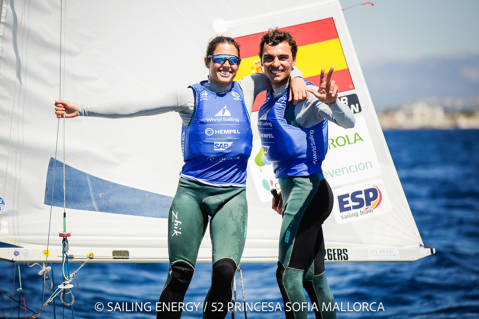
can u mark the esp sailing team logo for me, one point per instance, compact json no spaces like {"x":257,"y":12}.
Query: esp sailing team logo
{"x":360,"y":202}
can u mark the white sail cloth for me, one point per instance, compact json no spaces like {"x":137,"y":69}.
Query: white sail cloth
{"x":122,"y":173}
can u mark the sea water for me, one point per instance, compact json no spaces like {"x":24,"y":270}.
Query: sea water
{"x":439,"y":170}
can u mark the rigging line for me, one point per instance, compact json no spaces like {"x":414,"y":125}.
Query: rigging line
{"x":21,"y":294}
{"x":234,"y":294}
{"x":242,"y":291}
{"x":47,"y":252}
{"x":60,"y":96}
{"x":359,"y":4}
{"x":64,"y":180}
{"x":13,"y":285}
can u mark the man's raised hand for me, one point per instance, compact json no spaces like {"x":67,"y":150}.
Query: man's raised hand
{"x":327,"y":90}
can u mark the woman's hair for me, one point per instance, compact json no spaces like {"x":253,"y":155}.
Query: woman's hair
{"x":221,"y":39}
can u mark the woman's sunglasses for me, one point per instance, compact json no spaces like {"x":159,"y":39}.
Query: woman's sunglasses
{"x":221,"y":59}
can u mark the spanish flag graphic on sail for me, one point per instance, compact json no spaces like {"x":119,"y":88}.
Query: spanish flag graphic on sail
{"x":318,"y":47}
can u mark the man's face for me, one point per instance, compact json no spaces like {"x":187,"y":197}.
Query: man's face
{"x":277,"y":63}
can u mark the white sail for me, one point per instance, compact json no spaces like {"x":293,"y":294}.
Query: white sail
{"x":122,"y":174}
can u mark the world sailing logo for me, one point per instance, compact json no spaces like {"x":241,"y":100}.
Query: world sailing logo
{"x":236,"y":96}
{"x":224,"y":112}
{"x":2,"y":205}
{"x":204,"y":96}
{"x":223,"y":115}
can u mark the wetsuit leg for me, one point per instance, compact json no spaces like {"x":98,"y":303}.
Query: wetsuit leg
{"x":297,"y":194}
{"x":316,"y":284}
{"x":228,"y":234}
{"x":301,"y":237}
{"x":314,"y":280}
{"x":186,"y":227}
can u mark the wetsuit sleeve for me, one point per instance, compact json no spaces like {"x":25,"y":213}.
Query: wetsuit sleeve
{"x":312,"y":111}
{"x":252,"y":85}
{"x":181,"y":101}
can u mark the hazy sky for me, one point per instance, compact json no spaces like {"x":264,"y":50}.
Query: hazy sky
{"x":406,"y":29}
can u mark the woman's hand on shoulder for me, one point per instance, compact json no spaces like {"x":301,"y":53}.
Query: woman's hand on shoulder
{"x":298,"y":90}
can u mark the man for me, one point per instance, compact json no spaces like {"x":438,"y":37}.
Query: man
{"x":295,"y":140}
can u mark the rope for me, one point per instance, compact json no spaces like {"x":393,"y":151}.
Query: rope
{"x":242,"y":291}
{"x":21,"y":294}
{"x":234,"y":296}
{"x":12,"y":299}
{"x":45,"y":272}
{"x":47,"y":254}
{"x":65,"y":288}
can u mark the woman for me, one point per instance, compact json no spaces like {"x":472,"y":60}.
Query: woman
{"x":216,"y":142}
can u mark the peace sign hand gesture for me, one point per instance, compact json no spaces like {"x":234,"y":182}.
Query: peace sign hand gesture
{"x":328,"y":90}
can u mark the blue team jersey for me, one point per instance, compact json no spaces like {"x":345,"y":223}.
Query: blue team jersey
{"x":217,"y":142}
{"x":294,"y":151}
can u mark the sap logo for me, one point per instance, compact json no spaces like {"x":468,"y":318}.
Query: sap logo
{"x":204,"y":96}
{"x":369,"y":199}
{"x":222,"y":146}
{"x":341,"y":141}
{"x":352,"y":101}
{"x":236,"y":96}
{"x":224,"y":112}
{"x":336,"y":254}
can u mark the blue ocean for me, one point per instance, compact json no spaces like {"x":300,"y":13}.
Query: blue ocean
{"x":439,"y":170}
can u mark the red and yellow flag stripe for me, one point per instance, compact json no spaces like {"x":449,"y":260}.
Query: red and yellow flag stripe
{"x":318,"y":47}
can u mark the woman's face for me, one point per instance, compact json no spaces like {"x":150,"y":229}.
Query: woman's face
{"x":222,"y":74}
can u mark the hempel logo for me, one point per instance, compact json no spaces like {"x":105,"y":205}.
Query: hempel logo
{"x":209,"y":131}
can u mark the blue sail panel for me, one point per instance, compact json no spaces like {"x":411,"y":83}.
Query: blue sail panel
{"x":88,"y":192}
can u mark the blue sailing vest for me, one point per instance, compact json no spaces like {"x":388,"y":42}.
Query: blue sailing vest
{"x":294,"y":151}
{"x":217,"y":143}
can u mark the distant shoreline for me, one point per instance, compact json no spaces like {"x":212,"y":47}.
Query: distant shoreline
{"x":425,"y":116}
